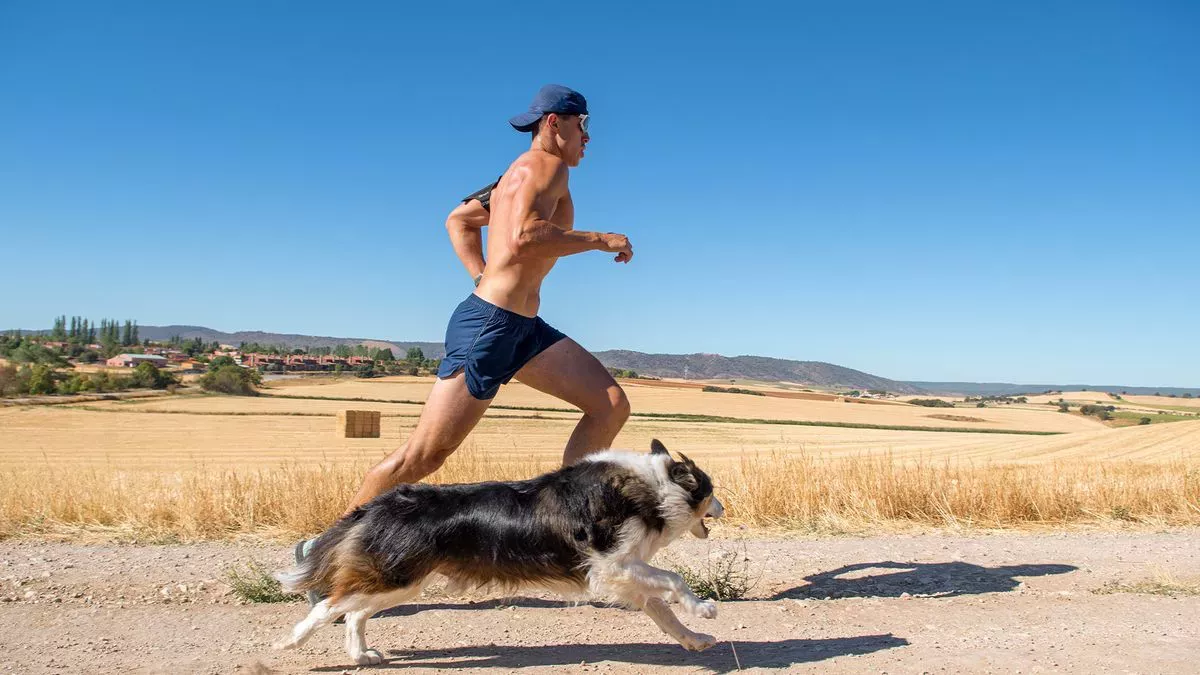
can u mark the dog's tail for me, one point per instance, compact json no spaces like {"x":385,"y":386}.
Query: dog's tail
{"x":315,"y":572}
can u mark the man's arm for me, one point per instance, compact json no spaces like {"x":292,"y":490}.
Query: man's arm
{"x":540,"y":185}
{"x":465,"y":226}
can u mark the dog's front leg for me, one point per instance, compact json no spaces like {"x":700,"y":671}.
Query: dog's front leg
{"x":654,"y":582}
{"x":661,"y":614}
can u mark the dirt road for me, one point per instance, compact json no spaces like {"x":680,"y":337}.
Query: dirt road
{"x":895,"y":604}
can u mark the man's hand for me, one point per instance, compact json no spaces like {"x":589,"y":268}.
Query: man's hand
{"x":619,"y":244}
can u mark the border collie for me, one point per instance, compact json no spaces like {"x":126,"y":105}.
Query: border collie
{"x":584,"y":530}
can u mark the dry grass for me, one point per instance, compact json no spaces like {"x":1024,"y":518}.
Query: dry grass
{"x":796,"y":492}
{"x":1162,"y":583}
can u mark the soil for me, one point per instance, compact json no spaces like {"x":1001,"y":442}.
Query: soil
{"x":907,"y":603}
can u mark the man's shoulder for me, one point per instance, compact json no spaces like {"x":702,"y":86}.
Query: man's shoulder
{"x":540,"y":163}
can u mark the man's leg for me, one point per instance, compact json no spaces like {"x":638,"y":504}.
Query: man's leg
{"x":450,"y":413}
{"x":569,"y":372}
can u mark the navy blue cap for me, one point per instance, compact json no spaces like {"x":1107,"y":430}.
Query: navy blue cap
{"x":552,"y":98}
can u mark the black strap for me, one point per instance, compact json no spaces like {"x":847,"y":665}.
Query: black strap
{"x":484,"y":195}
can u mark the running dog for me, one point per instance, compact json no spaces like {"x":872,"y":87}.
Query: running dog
{"x":584,"y":530}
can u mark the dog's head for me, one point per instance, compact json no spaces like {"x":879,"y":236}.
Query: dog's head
{"x":702,"y":503}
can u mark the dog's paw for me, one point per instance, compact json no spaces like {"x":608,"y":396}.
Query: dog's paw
{"x":368,"y":658}
{"x":697,"y":642}
{"x":706,"y":609}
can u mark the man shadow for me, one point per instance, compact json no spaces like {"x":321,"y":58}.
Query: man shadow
{"x":722,"y":658}
{"x":946,"y":579}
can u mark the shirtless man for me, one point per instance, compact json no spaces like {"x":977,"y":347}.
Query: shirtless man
{"x":496,"y":333}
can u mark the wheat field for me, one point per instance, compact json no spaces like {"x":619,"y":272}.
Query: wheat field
{"x":207,"y":466}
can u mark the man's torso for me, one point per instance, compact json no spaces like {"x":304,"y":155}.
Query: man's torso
{"x":509,"y":281}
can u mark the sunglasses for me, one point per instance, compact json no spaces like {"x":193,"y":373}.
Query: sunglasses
{"x":583,"y":123}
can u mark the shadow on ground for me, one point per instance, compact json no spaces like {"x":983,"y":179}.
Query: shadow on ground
{"x":891,"y":579}
{"x":720,"y":659}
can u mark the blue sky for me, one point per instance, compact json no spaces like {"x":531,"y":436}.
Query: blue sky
{"x":923,"y":190}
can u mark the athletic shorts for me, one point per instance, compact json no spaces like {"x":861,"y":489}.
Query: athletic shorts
{"x":491,"y":344}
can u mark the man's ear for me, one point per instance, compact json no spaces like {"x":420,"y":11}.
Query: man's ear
{"x":657,"y":448}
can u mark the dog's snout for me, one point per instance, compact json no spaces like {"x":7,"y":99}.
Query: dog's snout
{"x":715,"y":509}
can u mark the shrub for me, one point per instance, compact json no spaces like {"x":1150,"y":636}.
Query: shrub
{"x":934,"y":403}
{"x":221,"y":362}
{"x":233,"y":380}
{"x":149,"y":376}
{"x":725,"y":575}
{"x":732,"y":390}
{"x":1144,"y":420}
{"x":255,"y":584}
{"x":1063,"y":407}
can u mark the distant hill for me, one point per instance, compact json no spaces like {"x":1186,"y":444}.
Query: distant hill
{"x":1007,"y":389}
{"x":432,"y":350}
{"x":717,"y":367}
{"x":691,"y":366}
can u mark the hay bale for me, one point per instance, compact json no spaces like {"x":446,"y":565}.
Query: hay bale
{"x":358,"y":423}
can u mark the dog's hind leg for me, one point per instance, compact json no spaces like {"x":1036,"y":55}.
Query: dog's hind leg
{"x":322,"y":613}
{"x":356,"y":621}
{"x":661,"y":614}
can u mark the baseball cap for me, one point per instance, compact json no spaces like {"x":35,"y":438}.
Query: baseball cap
{"x":552,"y":98}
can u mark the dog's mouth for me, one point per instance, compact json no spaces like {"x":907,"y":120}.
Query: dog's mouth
{"x":700,"y":529}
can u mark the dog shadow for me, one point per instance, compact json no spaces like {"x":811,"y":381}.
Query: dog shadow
{"x":947,"y":579}
{"x":412,"y":608}
{"x":721,"y":658}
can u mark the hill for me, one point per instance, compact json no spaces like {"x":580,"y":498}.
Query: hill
{"x":717,"y":367}
{"x":1009,"y":389}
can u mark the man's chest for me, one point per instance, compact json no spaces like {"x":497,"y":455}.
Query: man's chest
{"x":564,"y":213}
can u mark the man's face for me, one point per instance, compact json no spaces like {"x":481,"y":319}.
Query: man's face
{"x":574,"y":139}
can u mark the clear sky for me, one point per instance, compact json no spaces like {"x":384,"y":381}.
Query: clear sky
{"x":922,"y":190}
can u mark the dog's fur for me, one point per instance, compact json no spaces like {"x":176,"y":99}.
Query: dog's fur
{"x":585,"y":529}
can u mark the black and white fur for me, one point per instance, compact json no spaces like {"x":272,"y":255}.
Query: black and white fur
{"x":586,"y":529}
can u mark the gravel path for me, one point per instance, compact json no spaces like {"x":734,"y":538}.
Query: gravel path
{"x":897,"y":604}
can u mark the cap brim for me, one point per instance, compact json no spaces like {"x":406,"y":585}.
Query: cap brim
{"x":525,"y":121}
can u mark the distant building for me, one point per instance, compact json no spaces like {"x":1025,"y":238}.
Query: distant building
{"x":132,"y":360}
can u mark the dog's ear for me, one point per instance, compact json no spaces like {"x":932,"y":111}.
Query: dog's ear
{"x":681,"y":475}
{"x":686,"y":460}
{"x":657,"y":448}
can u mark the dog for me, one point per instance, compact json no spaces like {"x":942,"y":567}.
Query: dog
{"x":587,"y":530}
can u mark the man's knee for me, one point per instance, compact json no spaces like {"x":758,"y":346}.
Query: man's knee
{"x":613,"y":408}
{"x":416,"y":462}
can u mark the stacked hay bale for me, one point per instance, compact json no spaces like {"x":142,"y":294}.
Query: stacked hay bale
{"x":358,"y":423}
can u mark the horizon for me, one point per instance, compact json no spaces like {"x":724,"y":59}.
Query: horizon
{"x":1030,"y":383}
{"x":939,"y":193}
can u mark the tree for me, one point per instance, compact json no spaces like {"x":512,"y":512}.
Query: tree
{"x":231,"y":380}
{"x":384,"y":354}
{"x":59,"y":332}
{"x":149,"y":376}
{"x":414,"y":355}
{"x":41,"y":379}
{"x":89,"y":356}
{"x":1063,"y":407}
{"x":221,"y":362}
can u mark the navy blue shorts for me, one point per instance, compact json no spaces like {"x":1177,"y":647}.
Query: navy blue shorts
{"x":491,"y":344}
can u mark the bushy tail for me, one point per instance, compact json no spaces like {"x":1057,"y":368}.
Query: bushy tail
{"x":316,"y":571}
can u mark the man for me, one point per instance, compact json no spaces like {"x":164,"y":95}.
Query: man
{"x":496,"y":333}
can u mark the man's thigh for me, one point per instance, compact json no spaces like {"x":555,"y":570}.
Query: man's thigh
{"x":569,"y":372}
{"x":450,"y":412}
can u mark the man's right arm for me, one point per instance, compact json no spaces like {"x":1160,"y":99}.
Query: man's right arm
{"x":465,"y":226}
{"x":542,"y":184}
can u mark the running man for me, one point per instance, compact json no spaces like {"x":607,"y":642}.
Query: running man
{"x":496,"y":333}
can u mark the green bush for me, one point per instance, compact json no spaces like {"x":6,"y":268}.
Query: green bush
{"x":233,"y":380}
{"x":932,"y":403}
{"x":147,"y":375}
{"x":732,"y":390}
{"x":1144,"y":420}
